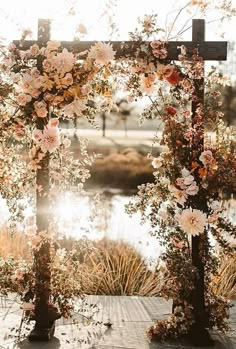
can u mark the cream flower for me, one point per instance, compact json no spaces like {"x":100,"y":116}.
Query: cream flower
{"x":157,"y":162}
{"x":147,"y":84}
{"x":192,"y":221}
{"x":206,"y":157}
{"x":185,"y":172}
{"x":53,"y":45}
{"x":192,"y":189}
{"x":63,"y":62}
{"x":188,"y":180}
{"x":102,"y":53}
{"x":82,"y":29}
{"x":179,"y":195}
{"x":215,"y":205}
{"x":34,"y":50}
{"x":48,"y":139}
{"x":76,"y":107}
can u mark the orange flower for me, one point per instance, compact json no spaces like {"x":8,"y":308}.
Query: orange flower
{"x":202,"y":172}
{"x":173,"y":78}
{"x":194,"y":164}
{"x":107,"y":93}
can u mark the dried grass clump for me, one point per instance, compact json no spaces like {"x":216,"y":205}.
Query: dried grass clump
{"x":116,"y":268}
{"x":226,"y":282}
{"x":15,"y":246}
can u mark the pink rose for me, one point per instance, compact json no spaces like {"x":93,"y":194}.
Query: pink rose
{"x":188,"y":180}
{"x":34,"y":50}
{"x":35,"y":72}
{"x":40,"y":105}
{"x":57,"y":100}
{"x":38,"y":82}
{"x":35,"y":93}
{"x":42,"y":113}
{"x":23,"y":99}
{"x":180,"y":183}
{"x":37,"y":134}
{"x":68,"y":79}
{"x":47,"y":65}
{"x":19,"y":132}
{"x":54,"y":122}
{"x":48,"y":97}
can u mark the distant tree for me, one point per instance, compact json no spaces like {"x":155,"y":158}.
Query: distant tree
{"x":124,"y":112}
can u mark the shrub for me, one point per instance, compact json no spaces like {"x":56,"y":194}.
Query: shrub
{"x":124,"y":170}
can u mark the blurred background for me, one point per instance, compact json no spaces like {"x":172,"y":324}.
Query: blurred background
{"x":121,"y":141}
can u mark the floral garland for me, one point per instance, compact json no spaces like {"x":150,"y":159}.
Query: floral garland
{"x":50,"y":83}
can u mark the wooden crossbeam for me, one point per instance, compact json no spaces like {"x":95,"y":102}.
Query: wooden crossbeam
{"x":208,"y":50}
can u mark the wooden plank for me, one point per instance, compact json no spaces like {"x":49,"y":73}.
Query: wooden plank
{"x":198,"y":30}
{"x":156,"y":307}
{"x":209,"y":50}
{"x":128,"y":334}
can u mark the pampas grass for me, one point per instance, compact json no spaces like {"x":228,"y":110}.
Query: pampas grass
{"x":116,"y":268}
{"x":226,"y":282}
{"x":15,"y":246}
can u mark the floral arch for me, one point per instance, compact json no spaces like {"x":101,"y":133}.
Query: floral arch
{"x":45,"y":83}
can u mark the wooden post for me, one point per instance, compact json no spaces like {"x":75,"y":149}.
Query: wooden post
{"x":44,"y":327}
{"x":198,"y":333}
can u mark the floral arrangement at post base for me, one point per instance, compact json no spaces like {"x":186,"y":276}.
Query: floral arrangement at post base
{"x":67,"y":85}
{"x":18,"y":277}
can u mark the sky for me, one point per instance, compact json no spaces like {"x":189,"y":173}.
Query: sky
{"x":16,"y":15}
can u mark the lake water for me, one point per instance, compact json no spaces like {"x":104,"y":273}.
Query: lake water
{"x":111,"y":221}
{"x":85,"y":216}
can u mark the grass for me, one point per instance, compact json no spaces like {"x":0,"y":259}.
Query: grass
{"x":226,"y":283}
{"x":116,"y":268}
{"x":15,"y":246}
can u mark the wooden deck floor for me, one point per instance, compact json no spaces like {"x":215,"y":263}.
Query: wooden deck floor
{"x":129,"y":316}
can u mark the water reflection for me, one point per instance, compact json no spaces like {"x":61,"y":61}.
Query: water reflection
{"x":96,"y":218}
{"x":110,"y":220}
